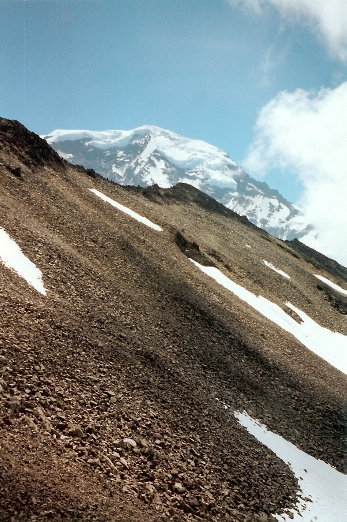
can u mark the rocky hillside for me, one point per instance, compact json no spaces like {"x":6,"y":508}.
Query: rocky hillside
{"x":125,"y":369}
{"x":150,"y":155}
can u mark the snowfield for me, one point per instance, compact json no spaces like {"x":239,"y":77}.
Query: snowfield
{"x":322,"y":484}
{"x":127,"y":210}
{"x":330,"y":346}
{"x":12,"y":257}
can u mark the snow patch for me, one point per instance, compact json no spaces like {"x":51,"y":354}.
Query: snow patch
{"x":270,"y":265}
{"x":330,"y":346}
{"x":12,"y":257}
{"x":65,"y":155}
{"x":331,"y":284}
{"x":127,"y":210}
{"x":322,"y":484}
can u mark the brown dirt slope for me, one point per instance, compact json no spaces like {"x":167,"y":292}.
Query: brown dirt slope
{"x":108,"y":384}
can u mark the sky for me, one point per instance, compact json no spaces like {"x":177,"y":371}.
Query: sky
{"x":264,"y":80}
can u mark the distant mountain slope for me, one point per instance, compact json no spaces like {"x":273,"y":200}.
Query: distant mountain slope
{"x":150,"y":155}
{"x":128,"y":374}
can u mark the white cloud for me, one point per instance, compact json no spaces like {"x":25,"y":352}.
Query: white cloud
{"x":328,"y":17}
{"x":306,"y":132}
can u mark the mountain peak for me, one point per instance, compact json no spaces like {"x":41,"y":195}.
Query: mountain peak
{"x":183,"y":153}
{"x":149,"y":155}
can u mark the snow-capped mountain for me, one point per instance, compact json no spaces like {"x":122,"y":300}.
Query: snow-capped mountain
{"x":150,"y":155}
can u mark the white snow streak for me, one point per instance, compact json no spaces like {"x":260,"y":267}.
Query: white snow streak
{"x":330,"y":346}
{"x":323,"y":484}
{"x":127,"y":210}
{"x":270,"y":265}
{"x":330,"y":283}
{"x":12,"y":257}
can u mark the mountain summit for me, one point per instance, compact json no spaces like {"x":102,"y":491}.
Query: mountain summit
{"x":150,"y":155}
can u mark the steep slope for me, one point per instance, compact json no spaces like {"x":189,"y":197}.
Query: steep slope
{"x":109,"y":381}
{"x":150,"y":155}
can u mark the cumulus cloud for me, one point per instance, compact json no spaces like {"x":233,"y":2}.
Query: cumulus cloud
{"x":328,"y":17}
{"x":306,"y":132}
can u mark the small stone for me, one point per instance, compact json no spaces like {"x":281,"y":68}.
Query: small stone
{"x":31,"y":423}
{"x":262,"y":517}
{"x":179,"y":487}
{"x":150,"y":452}
{"x":75,"y":431}
{"x":129,"y":442}
{"x":94,"y":462}
{"x":109,"y":462}
{"x":14,"y":405}
{"x":123,"y":461}
{"x":151,"y":488}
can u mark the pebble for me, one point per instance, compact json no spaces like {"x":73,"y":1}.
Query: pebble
{"x":75,"y":431}
{"x":3,"y":360}
{"x":179,"y":487}
{"x":14,"y":405}
{"x":129,"y":442}
{"x":123,"y":461}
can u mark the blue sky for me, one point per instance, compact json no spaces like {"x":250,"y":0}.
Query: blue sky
{"x":202,"y":68}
